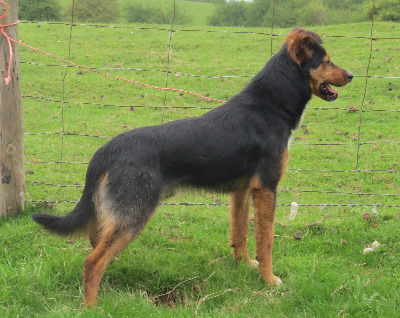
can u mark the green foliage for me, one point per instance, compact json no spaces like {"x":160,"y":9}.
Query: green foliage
{"x":154,"y":11}
{"x":207,"y":1}
{"x":232,"y":14}
{"x":260,"y":13}
{"x":288,"y":13}
{"x":39,"y":10}
{"x":384,"y":10}
{"x":314,"y":13}
{"x":95,"y":10}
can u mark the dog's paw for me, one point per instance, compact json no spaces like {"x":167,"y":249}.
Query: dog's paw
{"x":254,"y":263}
{"x":274,"y":280}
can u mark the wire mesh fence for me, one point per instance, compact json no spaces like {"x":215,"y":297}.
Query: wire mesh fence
{"x":343,"y":155}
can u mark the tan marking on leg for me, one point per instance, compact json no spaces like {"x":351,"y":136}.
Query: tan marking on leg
{"x":255,"y":183}
{"x":92,"y":232}
{"x":103,"y":179}
{"x":104,"y":206}
{"x":239,"y":212}
{"x":285,"y":161}
{"x":264,"y":204}
{"x":110,"y":244}
{"x":107,"y":240}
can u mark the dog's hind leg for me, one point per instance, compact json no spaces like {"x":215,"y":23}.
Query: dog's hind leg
{"x":122,"y":209}
{"x":239,"y":212}
{"x":264,"y":205}
{"x":113,"y":236}
{"x":110,"y":244}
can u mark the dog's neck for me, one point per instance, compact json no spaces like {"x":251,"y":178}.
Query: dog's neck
{"x":285,"y":94}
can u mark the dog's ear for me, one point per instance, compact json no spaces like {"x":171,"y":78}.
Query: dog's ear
{"x":301,"y":45}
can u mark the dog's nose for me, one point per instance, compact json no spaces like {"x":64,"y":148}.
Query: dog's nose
{"x":350,"y":76}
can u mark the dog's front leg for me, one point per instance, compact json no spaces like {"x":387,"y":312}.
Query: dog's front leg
{"x":239,"y":211}
{"x":264,"y":205}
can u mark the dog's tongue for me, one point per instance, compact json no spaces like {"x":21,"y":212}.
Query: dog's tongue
{"x":332,"y":91}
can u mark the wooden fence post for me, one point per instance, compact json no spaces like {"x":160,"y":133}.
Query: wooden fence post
{"x":12,"y":177}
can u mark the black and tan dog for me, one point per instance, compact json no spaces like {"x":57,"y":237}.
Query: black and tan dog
{"x":239,"y":148}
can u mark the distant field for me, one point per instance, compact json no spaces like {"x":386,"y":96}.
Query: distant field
{"x":199,"y":11}
{"x":184,"y":252}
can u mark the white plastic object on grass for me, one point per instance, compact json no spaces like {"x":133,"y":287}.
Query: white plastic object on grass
{"x":375,"y":244}
{"x":368,"y":250}
{"x":293,"y":210}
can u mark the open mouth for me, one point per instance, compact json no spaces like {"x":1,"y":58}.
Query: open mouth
{"x":328,"y":92}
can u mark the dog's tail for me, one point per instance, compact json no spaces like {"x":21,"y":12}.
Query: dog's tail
{"x":73,"y":224}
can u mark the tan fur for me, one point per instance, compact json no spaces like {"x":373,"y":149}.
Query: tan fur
{"x":298,"y":44}
{"x":108,"y":236}
{"x":110,"y":244}
{"x":285,"y":161}
{"x":92,"y":233}
{"x":264,"y":205}
{"x":329,"y":73}
{"x":239,"y":211}
{"x":103,"y":206}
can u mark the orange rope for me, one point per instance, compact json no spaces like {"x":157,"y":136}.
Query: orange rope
{"x":8,"y":78}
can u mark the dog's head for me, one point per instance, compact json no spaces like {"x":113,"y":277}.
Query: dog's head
{"x":305,"y":49}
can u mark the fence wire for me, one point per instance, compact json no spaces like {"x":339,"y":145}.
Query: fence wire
{"x":164,"y":106}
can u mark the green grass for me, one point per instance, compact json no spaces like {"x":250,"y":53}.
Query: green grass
{"x":184,"y":250}
{"x":198,"y":11}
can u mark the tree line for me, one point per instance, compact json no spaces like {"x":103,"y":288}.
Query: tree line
{"x":286,"y":13}
{"x":106,"y":11}
{"x":259,"y":13}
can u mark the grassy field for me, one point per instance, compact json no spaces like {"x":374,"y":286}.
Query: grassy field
{"x":181,"y":266}
{"x":198,"y":11}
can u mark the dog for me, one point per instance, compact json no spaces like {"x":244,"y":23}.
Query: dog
{"x":240,"y":148}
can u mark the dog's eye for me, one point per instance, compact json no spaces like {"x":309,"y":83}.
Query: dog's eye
{"x":328,"y":62}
